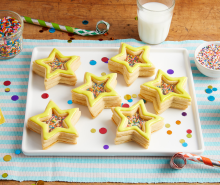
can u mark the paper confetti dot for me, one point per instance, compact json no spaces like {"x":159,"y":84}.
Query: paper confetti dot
{"x":44,"y":95}
{"x":182,"y":141}
{"x":7,"y":83}
{"x":184,"y":144}
{"x":14,"y":98}
{"x":93,"y":130}
{"x":209,"y":91}
{"x":105,"y":34}
{"x":144,"y":100}
{"x":52,"y":30}
{"x":211,"y":98}
{"x":41,"y":31}
{"x":70,"y":102}
{"x":4,"y":175}
{"x":103,"y":73}
{"x":169,"y":132}
{"x":210,"y":87}
{"x":85,"y":22}
{"x":72,"y":38}
{"x":178,"y":122}
{"x":134,"y":96}
{"x":112,"y":38}
{"x":189,"y":131}
{"x":189,"y":135}
{"x":127,"y":97}
{"x":40,"y":182}
{"x":70,"y":34}
{"x":170,"y":71}
{"x":167,"y":125}
{"x":45,"y":28}
{"x":184,"y":114}
{"x":92,"y":62}
{"x":17,"y":151}
{"x":130,"y":100}
{"x":136,"y":18}
{"x":7,"y":90}
{"x":214,"y":89}
{"x":100,"y":39}
{"x":104,"y":59}
{"x":106,"y":147}
{"x":7,"y":158}
{"x":102,"y":130}
{"x":69,"y":41}
{"x":125,"y":105}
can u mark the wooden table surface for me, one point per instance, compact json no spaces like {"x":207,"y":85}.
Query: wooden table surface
{"x":192,"y":20}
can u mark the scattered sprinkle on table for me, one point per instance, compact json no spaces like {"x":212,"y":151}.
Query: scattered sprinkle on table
{"x":7,"y":83}
{"x":14,"y":98}
{"x":105,"y":34}
{"x":214,"y":89}
{"x":169,"y":132}
{"x":4,"y":175}
{"x":167,"y":125}
{"x":17,"y":152}
{"x":93,"y":130}
{"x":7,"y":158}
{"x":144,"y":100}
{"x":170,"y":71}
{"x":70,"y":102}
{"x":210,"y":87}
{"x":7,"y":90}
{"x":209,"y":91}
{"x":106,"y":147}
{"x":184,"y":144}
{"x":44,"y":95}
{"x":184,"y":114}
{"x":52,"y":30}
{"x":125,"y":105}
{"x":100,"y":39}
{"x":178,"y":122}
{"x":105,"y":59}
{"x":92,"y":62}
{"x":69,"y":41}
{"x":136,"y":18}
{"x":189,"y":131}
{"x":85,"y":22}
{"x":189,"y":135}
{"x":131,"y":100}
{"x":211,"y":98}
{"x":127,"y":97}
{"x":134,"y":96}
{"x":182,"y":141}
{"x":102,"y":130}
{"x":103,"y":73}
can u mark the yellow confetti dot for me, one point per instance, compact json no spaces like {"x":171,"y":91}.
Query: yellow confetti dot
{"x":178,"y":122}
{"x":93,"y":130}
{"x":210,"y":87}
{"x":103,"y":73}
{"x":4,"y":175}
{"x":40,"y":182}
{"x":169,"y":132}
{"x":189,"y":135}
{"x":7,"y":158}
{"x":7,"y":89}
{"x":127,"y":97}
{"x":167,"y":125}
{"x":182,"y":141}
{"x":134,"y":96}
{"x":136,"y":18}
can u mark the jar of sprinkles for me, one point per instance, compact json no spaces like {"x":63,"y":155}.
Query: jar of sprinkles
{"x":11,"y":29}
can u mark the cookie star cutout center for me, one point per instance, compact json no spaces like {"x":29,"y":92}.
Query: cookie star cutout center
{"x":57,"y":63}
{"x":97,"y":88}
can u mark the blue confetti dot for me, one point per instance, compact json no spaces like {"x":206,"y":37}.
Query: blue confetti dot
{"x":52,"y":30}
{"x":85,"y":22}
{"x":184,"y":144}
{"x":211,"y":98}
{"x":69,"y":102}
{"x":130,"y":100}
{"x":92,"y":62}
{"x":17,"y":151}
{"x":209,"y":91}
{"x":122,"y":104}
{"x":214,"y":89}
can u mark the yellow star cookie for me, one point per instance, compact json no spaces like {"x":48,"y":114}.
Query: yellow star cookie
{"x":97,"y":93}
{"x":132,"y":62}
{"x":55,"y":125}
{"x":135,"y":124}
{"x":165,"y":92}
{"x":57,"y":68}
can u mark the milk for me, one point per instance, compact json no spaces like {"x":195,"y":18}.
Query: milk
{"x":154,"y":22}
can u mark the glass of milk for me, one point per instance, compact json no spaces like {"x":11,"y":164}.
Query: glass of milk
{"x":154,"y":18}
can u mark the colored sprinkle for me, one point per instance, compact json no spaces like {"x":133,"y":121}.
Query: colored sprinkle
{"x":85,"y":22}
{"x":106,"y":147}
{"x":170,"y":71}
{"x":7,"y":158}
{"x":127,"y":97}
{"x":57,"y":64}
{"x":17,"y":152}
{"x":7,"y":90}
{"x":9,"y":26}
{"x":182,"y":141}
{"x":167,"y":125}
{"x":184,"y":144}
{"x":166,"y":88}
{"x":52,"y":30}
{"x":112,"y":38}
{"x":136,"y":18}
{"x":214,"y":89}
{"x":130,"y":100}
{"x":189,"y":135}
{"x":44,"y":95}
{"x":93,"y":130}
{"x":97,"y":89}
{"x":7,"y":83}
{"x":69,"y":41}
{"x":135,"y":120}
{"x":41,"y":31}
{"x":70,"y":102}
{"x":178,"y":122}
{"x":14,"y":98}
{"x":209,"y":57}
{"x":4,"y":175}
{"x":144,"y":100}
{"x":210,"y":87}
{"x":189,"y":131}
{"x":92,"y":62}
{"x":102,"y":130}
{"x":209,"y":91}
{"x":40,"y":182}
{"x":184,"y":114}
{"x":103,"y":73}
{"x":100,"y":39}
{"x":125,"y":105}
{"x":169,"y":132}
{"x":211,"y":98}
{"x":55,"y":122}
{"x":132,"y":59}
{"x":105,"y":59}
{"x":105,"y":34}
{"x":134,"y":96}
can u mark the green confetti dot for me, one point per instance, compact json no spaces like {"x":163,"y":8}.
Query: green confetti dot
{"x":136,"y":18}
{"x":167,"y":125}
{"x":4,"y":175}
{"x":189,"y":135}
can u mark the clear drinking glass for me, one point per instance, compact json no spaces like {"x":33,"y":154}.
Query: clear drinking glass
{"x":154,"y":18}
{"x":10,"y":46}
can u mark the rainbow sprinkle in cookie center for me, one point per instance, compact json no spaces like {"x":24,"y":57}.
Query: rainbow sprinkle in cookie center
{"x":54,"y":122}
{"x":133,"y":59}
{"x":57,"y":64}
{"x":136,"y":120}
{"x":97,"y":89}
{"x":166,"y":88}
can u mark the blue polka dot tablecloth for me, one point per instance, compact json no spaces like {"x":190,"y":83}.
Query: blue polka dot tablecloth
{"x":100,"y":169}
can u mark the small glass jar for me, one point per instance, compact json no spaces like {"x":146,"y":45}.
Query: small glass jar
{"x":11,"y":45}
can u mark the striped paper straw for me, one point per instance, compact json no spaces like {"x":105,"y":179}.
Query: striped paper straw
{"x":192,"y":157}
{"x":69,"y":29}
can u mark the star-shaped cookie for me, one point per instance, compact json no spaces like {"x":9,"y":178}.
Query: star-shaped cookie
{"x":165,"y":92}
{"x":135,"y":124}
{"x":132,"y":62}
{"x":55,"y":125}
{"x":57,"y":68}
{"x":97,"y":93}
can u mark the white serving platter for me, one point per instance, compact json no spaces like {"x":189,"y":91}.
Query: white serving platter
{"x":91,"y":144}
